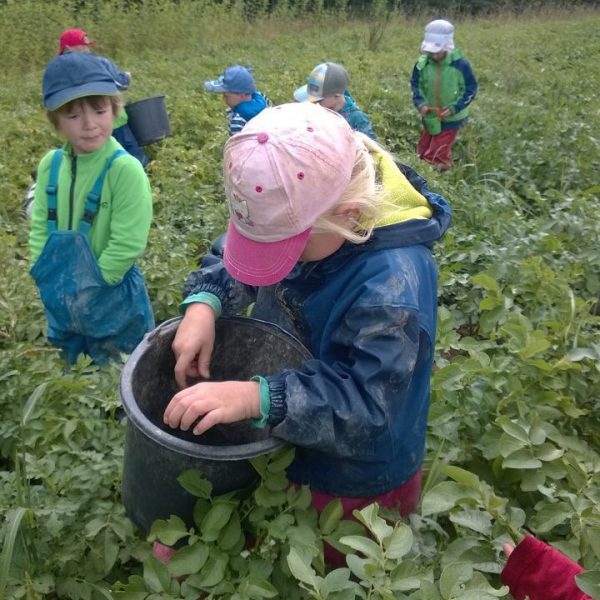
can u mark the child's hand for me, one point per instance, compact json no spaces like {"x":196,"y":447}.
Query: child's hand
{"x":193,"y":343}
{"x":508,"y":549}
{"x":445,"y":113}
{"x":213,"y":402}
{"x":425,"y":109}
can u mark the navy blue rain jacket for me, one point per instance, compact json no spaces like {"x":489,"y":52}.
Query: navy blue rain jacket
{"x":357,"y":411}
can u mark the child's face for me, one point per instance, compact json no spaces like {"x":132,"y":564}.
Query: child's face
{"x":232,"y":99}
{"x":79,"y":48}
{"x":86,"y":123}
{"x":321,"y":245}
{"x":334,"y":102}
{"x":437,"y":56}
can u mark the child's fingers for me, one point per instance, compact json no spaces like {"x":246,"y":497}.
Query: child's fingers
{"x":508,"y":549}
{"x":184,"y":367}
{"x":203,"y":362}
{"x":177,"y":407}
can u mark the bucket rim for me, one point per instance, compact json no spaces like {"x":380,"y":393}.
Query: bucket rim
{"x":138,"y":419}
{"x":156,"y":97}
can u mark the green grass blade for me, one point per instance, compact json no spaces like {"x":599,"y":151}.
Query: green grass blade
{"x":9,"y":546}
{"x":32,"y":402}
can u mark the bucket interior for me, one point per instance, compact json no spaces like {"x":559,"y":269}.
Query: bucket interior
{"x":243,"y":347}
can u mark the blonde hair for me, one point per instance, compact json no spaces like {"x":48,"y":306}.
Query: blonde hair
{"x":96,"y":102}
{"x":363,"y":194}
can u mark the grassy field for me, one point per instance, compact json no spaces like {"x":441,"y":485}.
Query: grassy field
{"x":514,"y":434}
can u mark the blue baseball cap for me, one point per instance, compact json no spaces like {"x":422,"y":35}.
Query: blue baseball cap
{"x":235,"y":79}
{"x":75,"y":75}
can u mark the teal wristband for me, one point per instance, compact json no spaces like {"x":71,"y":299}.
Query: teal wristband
{"x":203,"y":298}
{"x":265,"y":402}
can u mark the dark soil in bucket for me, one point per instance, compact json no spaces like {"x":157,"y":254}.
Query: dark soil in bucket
{"x":243,"y":348}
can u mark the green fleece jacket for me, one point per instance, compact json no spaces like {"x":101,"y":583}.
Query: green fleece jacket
{"x":119,"y":233}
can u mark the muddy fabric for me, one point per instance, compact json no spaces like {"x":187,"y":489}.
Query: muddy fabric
{"x":356,"y":412}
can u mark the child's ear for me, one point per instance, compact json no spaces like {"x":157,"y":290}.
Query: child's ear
{"x":351,"y":213}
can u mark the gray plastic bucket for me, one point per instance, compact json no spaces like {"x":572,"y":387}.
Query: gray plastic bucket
{"x":148,"y":120}
{"x":155,"y":455}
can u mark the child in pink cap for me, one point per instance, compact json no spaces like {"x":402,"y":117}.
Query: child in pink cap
{"x":332,"y":241}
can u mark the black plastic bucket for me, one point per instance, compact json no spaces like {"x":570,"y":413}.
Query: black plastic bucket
{"x":155,"y":455}
{"x":148,"y":120}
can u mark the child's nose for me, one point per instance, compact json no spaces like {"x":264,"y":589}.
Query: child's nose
{"x":88,"y":119}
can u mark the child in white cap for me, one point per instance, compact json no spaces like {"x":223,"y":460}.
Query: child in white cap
{"x":243,"y":100}
{"x":443,"y":86}
{"x":344,"y":263}
{"x":327,"y":85}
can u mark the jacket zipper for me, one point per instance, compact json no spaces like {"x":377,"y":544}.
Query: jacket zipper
{"x":438,"y":99}
{"x":72,"y":190}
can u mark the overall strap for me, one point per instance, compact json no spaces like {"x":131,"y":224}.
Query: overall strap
{"x":93,"y":198}
{"x":52,"y":189}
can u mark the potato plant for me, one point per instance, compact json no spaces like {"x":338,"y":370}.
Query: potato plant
{"x":514,"y":429}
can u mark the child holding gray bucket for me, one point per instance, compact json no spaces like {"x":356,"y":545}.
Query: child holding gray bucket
{"x":76,"y":40}
{"x":240,"y":95}
{"x":90,"y":219}
{"x":443,"y":86}
{"x":332,"y":241}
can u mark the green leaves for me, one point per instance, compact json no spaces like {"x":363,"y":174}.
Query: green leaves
{"x":589,"y":583}
{"x":168,"y":531}
{"x":189,"y":559}
{"x":193,"y":482}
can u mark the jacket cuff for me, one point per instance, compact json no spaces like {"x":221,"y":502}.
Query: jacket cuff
{"x":278,"y":408}
{"x":211,"y":288}
{"x":203,"y":298}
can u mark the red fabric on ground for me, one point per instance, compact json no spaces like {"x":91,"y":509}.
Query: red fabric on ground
{"x":437,"y":149}
{"x":162,"y":552}
{"x":541,"y":572}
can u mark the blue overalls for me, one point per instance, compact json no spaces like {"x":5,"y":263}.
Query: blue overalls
{"x":85,"y":314}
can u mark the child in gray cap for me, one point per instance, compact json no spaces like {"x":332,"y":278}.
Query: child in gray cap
{"x":327,"y":85}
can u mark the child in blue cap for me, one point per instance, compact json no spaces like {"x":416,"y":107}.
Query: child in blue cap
{"x":90,"y":219}
{"x":76,"y":40}
{"x":243,"y":101}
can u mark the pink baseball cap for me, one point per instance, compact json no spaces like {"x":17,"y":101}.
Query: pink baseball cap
{"x":288,"y":166}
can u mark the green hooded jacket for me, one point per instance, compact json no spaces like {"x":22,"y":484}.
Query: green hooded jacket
{"x":448,"y":83}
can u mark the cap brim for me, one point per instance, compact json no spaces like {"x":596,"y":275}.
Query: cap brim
{"x":261,"y":263}
{"x":214,"y":86}
{"x":431,"y":47}
{"x":89,"y":89}
{"x":302,"y":95}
